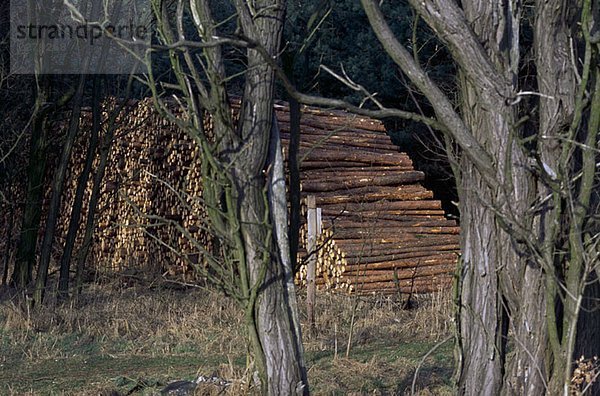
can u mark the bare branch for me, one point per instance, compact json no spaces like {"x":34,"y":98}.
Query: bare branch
{"x":451,"y":26}
{"x":441,"y":104}
{"x":352,"y":85}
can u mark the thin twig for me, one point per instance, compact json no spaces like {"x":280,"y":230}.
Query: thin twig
{"x":439,"y":344}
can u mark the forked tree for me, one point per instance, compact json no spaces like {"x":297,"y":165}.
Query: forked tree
{"x":523,"y":135}
{"x":242,"y":168}
{"x":526,"y":126}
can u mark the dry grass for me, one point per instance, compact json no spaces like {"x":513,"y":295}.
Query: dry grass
{"x":131,"y":314}
{"x":379,"y":317}
{"x":387,"y":342}
{"x":139,"y":338}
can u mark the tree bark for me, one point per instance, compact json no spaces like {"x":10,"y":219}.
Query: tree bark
{"x":279,"y":218}
{"x":294,"y":171}
{"x":236,"y":172}
{"x":9,"y":237}
{"x":557,"y":83}
{"x":57,"y":191}
{"x":90,"y":221}
{"x":273,"y":318}
{"x":32,"y":213}
{"x":503,"y":280}
{"x":82,"y":182}
{"x":275,"y":321}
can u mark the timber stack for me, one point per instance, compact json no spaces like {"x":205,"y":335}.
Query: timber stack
{"x":153,"y":191}
{"x":150,"y":215}
{"x":383,"y":231}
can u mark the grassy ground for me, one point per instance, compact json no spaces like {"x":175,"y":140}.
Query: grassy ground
{"x":135,"y":340}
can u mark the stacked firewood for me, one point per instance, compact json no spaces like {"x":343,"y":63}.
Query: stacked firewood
{"x":150,"y":214}
{"x":330,"y":263}
{"x":382,"y":230}
{"x":158,"y":195}
{"x":389,"y":233}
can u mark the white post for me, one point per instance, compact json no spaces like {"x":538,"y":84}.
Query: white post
{"x":314,"y":228}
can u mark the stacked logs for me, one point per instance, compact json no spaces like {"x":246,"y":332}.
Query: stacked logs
{"x":155,"y":171}
{"x":151,"y":191}
{"x":330,"y":263}
{"x":383,"y":231}
{"x":387,"y":232}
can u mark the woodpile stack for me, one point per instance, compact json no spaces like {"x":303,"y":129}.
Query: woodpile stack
{"x":152,"y":186}
{"x":383,"y":231}
{"x":330,"y":263}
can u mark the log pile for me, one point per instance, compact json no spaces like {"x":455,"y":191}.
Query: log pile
{"x":152,"y":186}
{"x":383,"y":231}
{"x":330,"y":263}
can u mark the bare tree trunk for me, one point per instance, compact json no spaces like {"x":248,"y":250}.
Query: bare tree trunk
{"x":57,"y":191}
{"x":279,"y":344}
{"x":30,"y":223}
{"x":75,"y":220}
{"x":294,"y":187}
{"x":520,"y":214}
{"x":557,"y":84}
{"x":9,"y":237}
{"x":482,"y":352}
{"x":289,"y":62}
{"x":502,"y":290}
{"x":279,"y":218}
{"x":90,"y":221}
{"x":275,"y":321}
{"x":496,"y":281}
